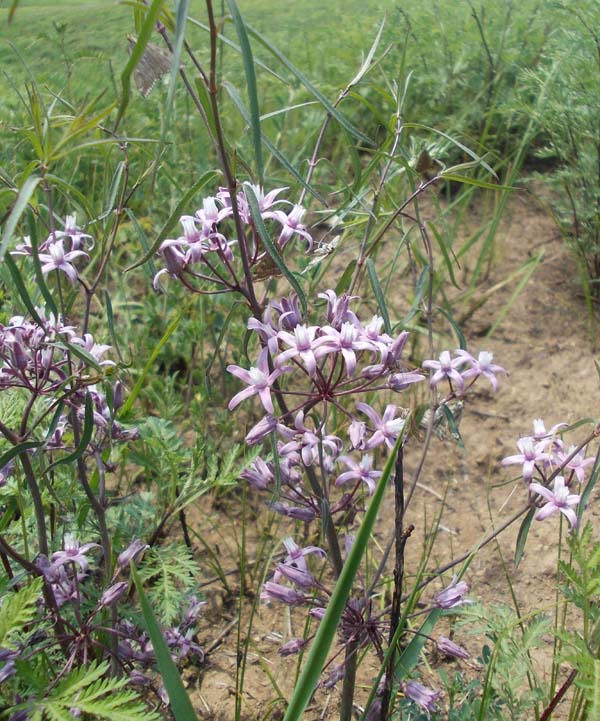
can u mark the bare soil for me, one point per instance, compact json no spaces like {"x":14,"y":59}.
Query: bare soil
{"x":545,"y":342}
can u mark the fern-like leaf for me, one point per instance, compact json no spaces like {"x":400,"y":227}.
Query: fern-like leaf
{"x":17,"y":610}
{"x":89,"y":690}
{"x":172,"y":571}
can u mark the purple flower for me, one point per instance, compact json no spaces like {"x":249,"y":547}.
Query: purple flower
{"x":421,"y":695}
{"x":449,"y":648}
{"x":481,"y":366}
{"x":346,"y":341}
{"x":532,"y":452}
{"x":445,"y":368}
{"x":338,"y":310}
{"x":73,"y":553}
{"x":261,"y":430}
{"x":577,"y":464}
{"x":276,"y":592}
{"x":131,"y":553}
{"x":57,"y":259}
{"x":259,"y":381}
{"x":73,"y":232}
{"x":453,"y":595}
{"x":302,"y":343}
{"x":290,"y":225}
{"x":401,"y":381}
{"x":359,"y":472}
{"x":387,"y":427}
{"x":559,"y":499}
{"x":114,"y":593}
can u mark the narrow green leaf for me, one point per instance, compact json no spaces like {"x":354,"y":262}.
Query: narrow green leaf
{"x":180,"y":703}
{"x":462,"y":343}
{"x":115,"y":184}
{"x":409,"y":658}
{"x":233,"y":94}
{"x":344,"y":282}
{"x":379,"y":295}
{"x":86,"y":437}
{"x":419,"y":292}
{"x":446,"y":255}
{"x":341,"y":119}
{"x":270,"y":247}
{"x":583,"y":502}
{"x":15,"y":451}
{"x":248,"y":59}
{"x":182,"y":206}
{"x":18,"y":209}
{"x":522,"y":535}
{"x":327,"y":628}
{"x":474,"y":181}
{"x":22,"y":290}
{"x":144,"y":35}
{"x":452,"y":425}
{"x":181,"y":14}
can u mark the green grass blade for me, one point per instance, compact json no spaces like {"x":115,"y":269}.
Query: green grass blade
{"x":248,"y":59}
{"x":18,"y":209}
{"x":180,"y":22}
{"x":328,"y":626}
{"x":409,"y":658}
{"x":462,"y":343}
{"x":17,"y":450}
{"x":180,"y":703}
{"x":270,"y":247}
{"x":341,"y":119}
{"x":379,"y":295}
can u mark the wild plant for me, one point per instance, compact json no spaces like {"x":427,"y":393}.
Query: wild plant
{"x":340,"y":405}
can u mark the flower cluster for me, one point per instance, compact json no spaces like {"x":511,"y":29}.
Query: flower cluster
{"x":60,"y":250}
{"x":463,"y":369}
{"x":544,"y":455}
{"x":204,"y":250}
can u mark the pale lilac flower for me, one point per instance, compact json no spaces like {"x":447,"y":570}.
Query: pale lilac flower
{"x":265,"y":201}
{"x":291,"y":223}
{"x":372,"y":333}
{"x":276,"y":592}
{"x":539,"y":429}
{"x":559,"y":499}
{"x":259,"y":474}
{"x":174,"y":259}
{"x":131,"y":553}
{"x":210,"y":214}
{"x":259,"y":381}
{"x":357,"y":431}
{"x":57,"y":259}
{"x":96,"y":350}
{"x":362,"y":471}
{"x":449,"y":648}
{"x":261,"y":430}
{"x":481,"y":366}
{"x":401,"y":381}
{"x":338,"y":309}
{"x":335,"y":674}
{"x":532,"y":452}
{"x":289,"y":311}
{"x":266,"y":332}
{"x":387,"y":427}
{"x":421,"y":695}
{"x":72,"y":231}
{"x":302,"y":343}
{"x":114,"y":593}
{"x":577,"y":464}
{"x":311,"y":445}
{"x":453,"y":595}
{"x":346,"y":341}
{"x":445,"y":367}
{"x":73,"y":552}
